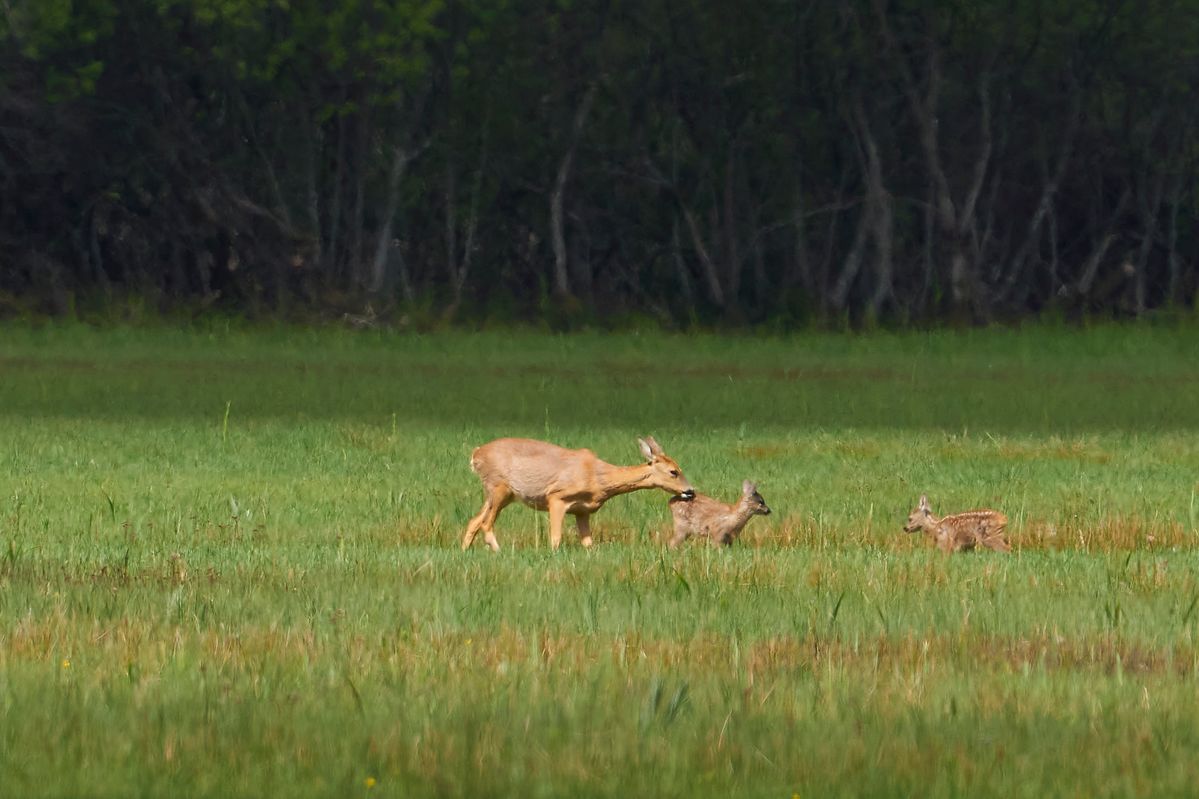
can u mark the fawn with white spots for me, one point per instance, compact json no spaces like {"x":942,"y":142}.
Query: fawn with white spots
{"x":961,"y":532}
{"x":711,"y":518}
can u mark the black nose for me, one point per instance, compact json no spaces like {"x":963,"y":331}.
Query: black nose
{"x":688,"y":494}
{"x":765,"y":511}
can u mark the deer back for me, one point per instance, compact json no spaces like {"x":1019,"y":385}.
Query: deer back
{"x":535,"y":470}
{"x":702,"y":516}
{"x":976,"y":521}
{"x":532,"y":468}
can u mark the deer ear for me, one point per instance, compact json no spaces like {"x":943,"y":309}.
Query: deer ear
{"x":654,"y":447}
{"x":646,"y":449}
{"x":748,"y":488}
{"x":924,"y":502}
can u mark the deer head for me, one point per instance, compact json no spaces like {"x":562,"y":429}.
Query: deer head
{"x":751,"y":497}
{"x":918,"y":518}
{"x":664,"y":472}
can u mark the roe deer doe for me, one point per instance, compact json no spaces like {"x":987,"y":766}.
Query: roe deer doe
{"x":961,"y":531}
{"x":561,"y":481}
{"x":704,"y":516}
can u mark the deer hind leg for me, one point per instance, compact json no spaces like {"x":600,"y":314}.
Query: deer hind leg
{"x":996,"y":539}
{"x":680,"y":535}
{"x":583,"y":520}
{"x":498,"y":497}
{"x":472,"y":528}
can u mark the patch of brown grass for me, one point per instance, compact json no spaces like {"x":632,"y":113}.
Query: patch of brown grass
{"x":1077,"y":450}
{"x":1114,"y":533}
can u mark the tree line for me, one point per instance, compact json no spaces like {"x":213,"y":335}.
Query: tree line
{"x":695,"y":161}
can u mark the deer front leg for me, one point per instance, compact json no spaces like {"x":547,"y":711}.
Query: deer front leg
{"x":583,"y":520}
{"x":946,"y":543}
{"x":557,"y":509}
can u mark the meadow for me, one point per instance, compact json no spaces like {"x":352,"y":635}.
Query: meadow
{"x":230,"y":566}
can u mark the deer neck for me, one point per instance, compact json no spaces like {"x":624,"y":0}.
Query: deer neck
{"x":933,"y":524}
{"x":742,"y":512}
{"x":616,"y":480}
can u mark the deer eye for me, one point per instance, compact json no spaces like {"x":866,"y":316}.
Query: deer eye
{"x":674,"y":472}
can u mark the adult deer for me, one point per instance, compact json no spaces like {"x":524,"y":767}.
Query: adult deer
{"x":561,"y":481}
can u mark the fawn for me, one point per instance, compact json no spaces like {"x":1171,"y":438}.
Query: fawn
{"x":961,"y":531}
{"x":704,"y":516}
{"x":561,"y":481}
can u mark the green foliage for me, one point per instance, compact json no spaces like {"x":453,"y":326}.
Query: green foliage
{"x":62,"y":33}
{"x":720,"y":174}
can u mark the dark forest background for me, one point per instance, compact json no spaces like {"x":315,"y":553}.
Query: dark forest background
{"x":712,"y":162}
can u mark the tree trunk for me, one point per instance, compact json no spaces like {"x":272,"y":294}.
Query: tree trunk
{"x":1091,"y":267}
{"x":1048,"y":193}
{"x":732,"y":254}
{"x":312,"y":167}
{"x":451,"y":221}
{"x":459,"y":271}
{"x":335,"y":220}
{"x":400,"y":159}
{"x":875,"y":224}
{"x":881,"y":216}
{"x":800,"y":270}
{"x":355,"y":266}
{"x":1173,"y":261}
{"x":955,"y":221}
{"x":680,"y":267}
{"x":839,"y":294}
{"x":711,"y":275}
{"x":1151,"y":200}
{"x":558,"y":234}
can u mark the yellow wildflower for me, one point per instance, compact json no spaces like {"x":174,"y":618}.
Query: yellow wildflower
{"x":66,"y":663}
{"x":371,"y":782}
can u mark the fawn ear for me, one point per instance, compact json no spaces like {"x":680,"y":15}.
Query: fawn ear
{"x":646,"y":449}
{"x":748,"y":488}
{"x":923,"y":502}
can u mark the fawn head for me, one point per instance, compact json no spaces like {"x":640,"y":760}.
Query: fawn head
{"x":751,"y":497}
{"x":664,"y":472}
{"x":919,"y":517}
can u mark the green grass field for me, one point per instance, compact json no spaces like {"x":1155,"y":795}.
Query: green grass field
{"x":229,"y":566}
